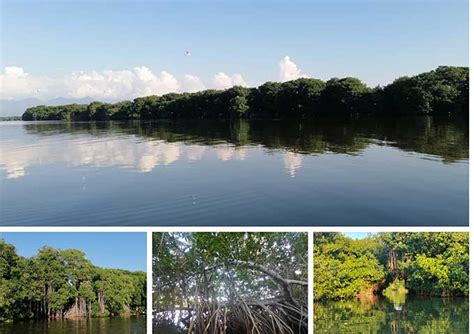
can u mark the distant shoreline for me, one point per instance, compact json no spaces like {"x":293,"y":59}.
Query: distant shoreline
{"x":10,"y":118}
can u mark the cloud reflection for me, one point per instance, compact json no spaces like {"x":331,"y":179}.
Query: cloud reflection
{"x":292,"y":162}
{"x":225,"y":153}
{"x":119,"y":151}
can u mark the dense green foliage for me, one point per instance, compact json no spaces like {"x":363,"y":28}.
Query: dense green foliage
{"x":429,"y":263}
{"x":230,"y":282}
{"x":62,"y":284}
{"x":344,"y":268}
{"x":442,"y":91}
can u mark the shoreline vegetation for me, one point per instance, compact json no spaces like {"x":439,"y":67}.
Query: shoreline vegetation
{"x":63,"y":284}
{"x":444,"y":91}
{"x":426,"y":264}
{"x":10,"y":118}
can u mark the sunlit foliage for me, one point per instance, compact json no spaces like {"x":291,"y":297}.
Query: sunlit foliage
{"x":425,"y":263}
{"x":64,"y":283}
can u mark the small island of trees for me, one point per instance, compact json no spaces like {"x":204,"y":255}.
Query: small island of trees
{"x":59,"y":284}
{"x":230,"y":283}
{"x":444,"y":91}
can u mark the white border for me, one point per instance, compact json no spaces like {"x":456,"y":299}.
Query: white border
{"x":310,"y":283}
{"x":471,"y":168}
{"x":149,"y":283}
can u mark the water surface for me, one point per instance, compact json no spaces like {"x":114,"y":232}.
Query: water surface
{"x":409,"y":171}
{"x":381,"y":316}
{"x":116,"y":325}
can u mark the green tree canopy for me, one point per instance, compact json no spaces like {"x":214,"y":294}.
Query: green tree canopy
{"x":61,"y":283}
{"x":245,"y":282}
{"x":429,"y":263}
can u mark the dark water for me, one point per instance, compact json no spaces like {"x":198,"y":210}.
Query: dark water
{"x":131,"y":325}
{"x":414,"y":315}
{"x":409,"y":171}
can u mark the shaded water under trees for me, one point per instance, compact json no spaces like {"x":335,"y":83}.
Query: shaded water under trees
{"x":382,"y":316}
{"x":341,"y":171}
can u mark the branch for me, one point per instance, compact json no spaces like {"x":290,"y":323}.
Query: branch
{"x":277,"y":278}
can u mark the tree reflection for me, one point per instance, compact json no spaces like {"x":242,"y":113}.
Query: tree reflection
{"x":383,"y":315}
{"x":436,"y":136}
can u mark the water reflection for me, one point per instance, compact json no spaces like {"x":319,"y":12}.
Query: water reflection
{"x":119,"y":325}
{"x":413,"y":315}
{"x":145,"y":146}
{"x":410,"y":171}
{"x":293,"y":161}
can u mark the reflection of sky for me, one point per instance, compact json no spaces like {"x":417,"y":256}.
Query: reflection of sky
{"x":103,"y":176}
{"x":116,"y":151}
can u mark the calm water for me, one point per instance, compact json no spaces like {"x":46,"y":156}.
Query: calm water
{"x":414,"y":315}
{"x":411,"y":171}
{"x":131,"y":325}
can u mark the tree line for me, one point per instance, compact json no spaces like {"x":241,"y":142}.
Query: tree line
{"x":10,"y":118}
{"x":422,"y":263}
{"x":441,"y":91}
{"x":64,"y":284}
{"x":230,"y":283}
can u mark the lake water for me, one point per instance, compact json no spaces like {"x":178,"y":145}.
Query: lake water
{"x":414,"y":315}
{"x":117,"y":325}
{"x":409,"y":171}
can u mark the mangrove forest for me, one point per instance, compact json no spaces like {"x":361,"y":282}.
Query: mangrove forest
{"x":444,"y":90}
{"x":391,"y":283}
{"x":63,"y":284}
{"x":424,"y":263}
{"x":230,"y":283}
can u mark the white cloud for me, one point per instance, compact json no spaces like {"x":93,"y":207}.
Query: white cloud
{"x":192,"y":84}
{"x":140,"y":81}
{"x":15,"y":83}
{"x":14,"y":71}
{"x":289,"y":70}
{"x":223,"y":81}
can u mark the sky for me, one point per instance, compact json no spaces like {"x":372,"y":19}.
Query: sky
{"x":124,"y":49}
{"x":108,"y":250}
{"x":358,"y":235}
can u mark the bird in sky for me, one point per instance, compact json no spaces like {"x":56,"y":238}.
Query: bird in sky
{"x":187,"y":53}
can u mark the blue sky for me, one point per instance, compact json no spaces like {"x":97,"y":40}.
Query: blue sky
{"x":376,"y":41}
{"x":108,"y":250}
{"x":358,"y":235}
